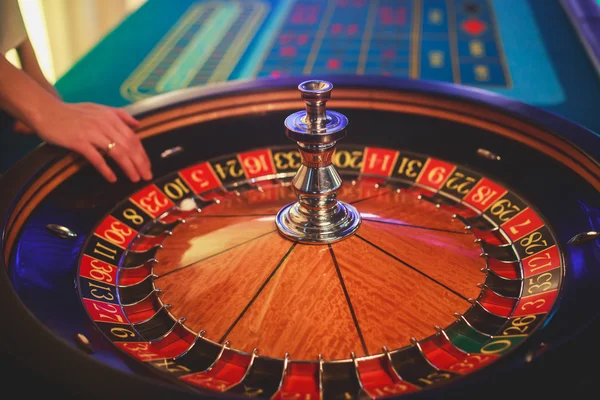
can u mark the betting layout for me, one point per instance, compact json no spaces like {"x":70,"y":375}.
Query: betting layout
{"x":121,"y":261}
{"x":452,"y":41}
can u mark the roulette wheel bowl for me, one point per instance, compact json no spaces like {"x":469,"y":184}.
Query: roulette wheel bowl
{"x":465,"y":148}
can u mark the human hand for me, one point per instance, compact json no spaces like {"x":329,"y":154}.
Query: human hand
{"x":90,"y":129}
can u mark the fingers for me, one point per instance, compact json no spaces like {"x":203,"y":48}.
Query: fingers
{"x":127,"y":118}
{"x":119,"y":152}
{"x":89,"y":128}
{"x":121,"y":156}
{"x":95,"y":158}
{"x":135,"y":151}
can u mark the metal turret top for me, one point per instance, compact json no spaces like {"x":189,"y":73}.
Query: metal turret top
{"x":317,"y":217}
{"x":316,"y":124}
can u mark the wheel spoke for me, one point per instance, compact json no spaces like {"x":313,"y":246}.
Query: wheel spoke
{"x":413,"y":268}
{"x":398,"y":223}
{"x":258,"y":292}
{"x":216,"y":254}
{"x":347,"y":296}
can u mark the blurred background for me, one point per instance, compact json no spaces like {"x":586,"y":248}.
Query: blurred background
{"x":62,"y":31}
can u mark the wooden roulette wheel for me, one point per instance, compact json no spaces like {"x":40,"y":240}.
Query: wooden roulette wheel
{"x":403,"y":239}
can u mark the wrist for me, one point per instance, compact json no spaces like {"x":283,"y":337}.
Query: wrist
{"x":41,"y":114}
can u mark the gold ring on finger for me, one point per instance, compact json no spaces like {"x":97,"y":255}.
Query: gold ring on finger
{"x":110,"y":146}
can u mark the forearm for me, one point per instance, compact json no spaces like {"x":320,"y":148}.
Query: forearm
{"x":30,"y":64}
{"x":22,"y":97}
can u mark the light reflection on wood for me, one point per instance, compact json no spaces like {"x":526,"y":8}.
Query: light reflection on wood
{"x":212,"y":293}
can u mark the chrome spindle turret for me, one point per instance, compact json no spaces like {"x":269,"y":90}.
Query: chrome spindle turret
{"x":317,"y":217}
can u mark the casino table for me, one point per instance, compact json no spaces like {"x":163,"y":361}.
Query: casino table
{"x":527,"y":50}
{"x":351,"y":200}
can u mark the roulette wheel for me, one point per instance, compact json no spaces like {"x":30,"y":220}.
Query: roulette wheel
{"x":371,"y":238}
